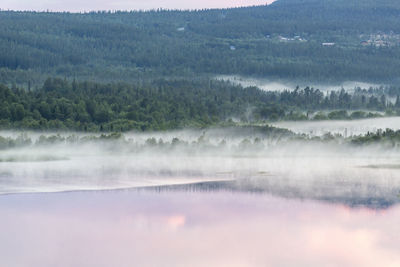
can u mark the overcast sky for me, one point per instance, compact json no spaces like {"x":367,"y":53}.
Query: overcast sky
{"x":89,"y":5}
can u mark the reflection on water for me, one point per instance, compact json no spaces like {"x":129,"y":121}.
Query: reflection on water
{"x":354,"y":180}
{"x":349,"y":193}
{"x":174,"y":228}
{"x":268,"y":204}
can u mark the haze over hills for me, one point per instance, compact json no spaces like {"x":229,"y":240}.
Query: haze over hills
{"x":277,"y":125}
{"x":309,"y":40}
{"x":162,"y":65}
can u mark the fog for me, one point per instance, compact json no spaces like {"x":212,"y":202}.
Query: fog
{"x":254,"y":160}
{"x":234,"y":196}
{"x":281,"y":85}
{"x":343,"y":127}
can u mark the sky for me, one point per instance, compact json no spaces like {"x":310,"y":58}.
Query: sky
{"x":90,"y":5}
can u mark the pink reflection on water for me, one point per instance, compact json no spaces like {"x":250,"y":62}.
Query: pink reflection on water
{"x":192,"y":229}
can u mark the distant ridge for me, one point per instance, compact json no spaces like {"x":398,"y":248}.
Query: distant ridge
{"x":250,"y":41}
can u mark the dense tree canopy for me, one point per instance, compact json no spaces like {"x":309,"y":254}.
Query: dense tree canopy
{"x":257,"y":41}
{"x":165,"y":104}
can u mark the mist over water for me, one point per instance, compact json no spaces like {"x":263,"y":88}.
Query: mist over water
{"x":234,"y":196}
{"x":343,"y":127}
{"x":253,"y":191}
{"x":245,"y":156}
{"x":282,"y":85}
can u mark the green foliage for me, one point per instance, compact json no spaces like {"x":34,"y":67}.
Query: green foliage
{"x":389,"y":137}
{"x":171,"y":104}
{"x":320,"y":116}
{"x":132,"y":46}
{"x":158,"y":105}
{"x":338,"y":115}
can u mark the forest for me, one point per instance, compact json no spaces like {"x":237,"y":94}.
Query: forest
{"x":155,"y":70}
{"x":252,"y":138}
{"x":169,"y":104}
{"x":282,"y":40}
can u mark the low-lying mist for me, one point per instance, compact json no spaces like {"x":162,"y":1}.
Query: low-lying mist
{"x":282,"y":85}
{"x":261,"y":159}
{"x":343,"y":127}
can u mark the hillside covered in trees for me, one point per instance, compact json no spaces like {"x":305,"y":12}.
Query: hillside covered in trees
{"x":170,"y":104}
{"x":282,"y":40}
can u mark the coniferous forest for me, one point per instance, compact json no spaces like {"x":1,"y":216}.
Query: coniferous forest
{"x":154,"y":69}
{"x":281,"y":40}
{"x":163,"y":104}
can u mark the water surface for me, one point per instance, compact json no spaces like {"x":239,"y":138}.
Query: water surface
{"x":266,"y":203}
{"x":192,"y":228}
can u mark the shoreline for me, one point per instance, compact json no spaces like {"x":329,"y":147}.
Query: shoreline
{"x":131,"y":188}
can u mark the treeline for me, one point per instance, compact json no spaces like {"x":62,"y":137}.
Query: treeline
{"x":171,"y":104}
{"x":389,"y":137}
{"x":160,"y":105}
{"x":250,"y":135}
{"x":128,"y":46}
{"x":253,"y":138}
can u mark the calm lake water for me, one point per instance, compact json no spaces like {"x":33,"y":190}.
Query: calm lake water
{"x":109,"y":204}
{"x":206,"y":226}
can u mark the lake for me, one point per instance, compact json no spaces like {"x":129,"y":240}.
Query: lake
{"x":196,"y":227}
{"x":114,"y":203}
